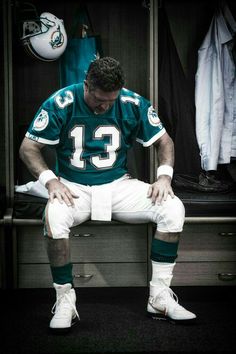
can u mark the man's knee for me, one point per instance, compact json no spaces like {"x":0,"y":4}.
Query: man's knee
{"x":57,"y":220}
{"x":171,"y":219}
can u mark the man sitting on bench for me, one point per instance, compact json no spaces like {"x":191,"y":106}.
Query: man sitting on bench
{"x":92,"y":125}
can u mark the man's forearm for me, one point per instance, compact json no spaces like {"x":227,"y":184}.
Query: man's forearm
{"x":165,"y":152}
{"x":33,"y":159}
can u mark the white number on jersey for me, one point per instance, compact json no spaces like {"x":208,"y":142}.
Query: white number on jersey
{"x":130,"y":99}
{"x":63,"y":101}
{"x":78,"y":134}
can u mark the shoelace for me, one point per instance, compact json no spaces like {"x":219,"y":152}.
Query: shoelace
{"x":173,"y":298}
{"x":61,"y":301}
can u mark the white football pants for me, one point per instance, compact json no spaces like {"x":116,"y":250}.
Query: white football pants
{"x":123,"y":200}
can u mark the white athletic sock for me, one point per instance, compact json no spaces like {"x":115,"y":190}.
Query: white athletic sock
{"x":162,"y":274}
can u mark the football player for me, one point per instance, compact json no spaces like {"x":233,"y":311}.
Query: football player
{"x":92,"y":125}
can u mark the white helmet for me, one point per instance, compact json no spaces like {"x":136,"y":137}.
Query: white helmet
{"x":44,"y":38}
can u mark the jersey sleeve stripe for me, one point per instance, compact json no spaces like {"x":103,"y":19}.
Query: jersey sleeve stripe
{"x":153,"y":139}
{"x":41,"y":140}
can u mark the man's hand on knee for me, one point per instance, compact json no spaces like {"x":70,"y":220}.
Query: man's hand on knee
{"x":57,"y":189}
{"x":160,"y":190}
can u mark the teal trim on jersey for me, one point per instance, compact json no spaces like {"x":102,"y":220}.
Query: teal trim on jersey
{"x":92,"y":149}
{"x":162,"y":251}
{"x":62,"y":275}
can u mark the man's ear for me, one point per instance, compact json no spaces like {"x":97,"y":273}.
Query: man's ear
{"x":86,"y":85}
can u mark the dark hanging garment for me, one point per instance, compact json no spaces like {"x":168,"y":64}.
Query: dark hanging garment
{"x":175,"y":106}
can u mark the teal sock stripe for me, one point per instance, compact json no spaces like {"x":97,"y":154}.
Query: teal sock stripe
{"x":162,"y":251}
{"x":62,"y":275}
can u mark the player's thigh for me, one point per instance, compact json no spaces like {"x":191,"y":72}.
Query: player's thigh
{"x":131,"y":204}
{"x":131,"y":195}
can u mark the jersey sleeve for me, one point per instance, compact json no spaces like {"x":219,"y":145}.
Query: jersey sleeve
{"x":150,"y":128}
{"x":48,"y":121}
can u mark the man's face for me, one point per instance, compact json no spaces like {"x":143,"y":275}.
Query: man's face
{"x":99,"y":101}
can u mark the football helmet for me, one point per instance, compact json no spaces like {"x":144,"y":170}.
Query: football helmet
{"x":45,"y":37}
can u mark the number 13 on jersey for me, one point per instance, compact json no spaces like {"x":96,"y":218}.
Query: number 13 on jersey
{"x":98,"y":161}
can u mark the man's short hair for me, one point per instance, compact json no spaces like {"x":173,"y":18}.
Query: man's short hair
{"x":106,"y":74}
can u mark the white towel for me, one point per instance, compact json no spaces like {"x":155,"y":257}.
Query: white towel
{"x":33,"y":188}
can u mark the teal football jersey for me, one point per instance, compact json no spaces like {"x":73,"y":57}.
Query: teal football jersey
{"x":92,"y":149}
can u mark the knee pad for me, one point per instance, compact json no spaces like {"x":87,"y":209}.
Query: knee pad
{"x":170,"y":216}
{"x":58,"y":219}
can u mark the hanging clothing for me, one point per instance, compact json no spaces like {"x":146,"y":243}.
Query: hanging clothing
{"x":175,"y":104}
{"x":215,"y":93}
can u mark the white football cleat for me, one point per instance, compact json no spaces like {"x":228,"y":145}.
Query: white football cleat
{"x":64,"y":309}
{"x":163,"y":305}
